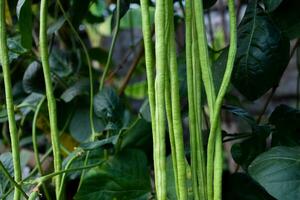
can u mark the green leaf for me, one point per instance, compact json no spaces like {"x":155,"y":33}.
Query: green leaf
{"x":286,"y":121}
{"x":287,"y":17}
{"x":25,"y":22}
{"x":138,"y":135}
{"x":15,"y":48}
{"x":60,"y":63}
{"x":124,"y":176}
{"x":262,"y":54}
{"x":246,"y":151}
{"x":100,"y":143}
{"x":33,"y":79}
{"x":137,"y":90}
{"x":241,"y":113}
{"x":240,"y":186}
{"x":80,"y":128}
{"x":133,"y":19}
{"x":81,"y":87}
{"x":171,"y":189}
{"x":219,"y":67}
{"x":271,"y":5}
{"x":278,"y":171}
{"x":30,"y":103}
{"x":6,"y":159}
{"x":56,"y":26}
{"x":145,"y":111}
{"x":107,"y":105}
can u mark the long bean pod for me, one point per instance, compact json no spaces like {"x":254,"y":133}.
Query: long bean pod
{"x":175,"y":101}
{"x":159,"y":148}
{"x":214,"y":133}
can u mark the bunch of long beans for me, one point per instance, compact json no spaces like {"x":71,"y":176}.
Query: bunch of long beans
{"x":163,"y":92}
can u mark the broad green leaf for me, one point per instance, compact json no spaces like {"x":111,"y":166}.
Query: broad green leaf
{"x":137,"y":90}
{"x":56,"y":26}
{"x":6,"y":159}
{"x":81,"y":87}
{"x":30,"y":103}
{"x":95,"y":156}
{"x":138,"y":135}
{"x":246,"y":151}
{"x":271,"y":5}
{"x":262,"y":54}
{"x":241,"y":113}
{"x":33,"y":79}
{"x":286,"y":121}
{"x":287,"y":17}
{"x":133,"y":18}
{"x":60,"y":63}
{"x":124,"y":176}
{"x":240,"y":186}
{"x":80,"y":128}
{"x":145,"y":111}
{"x":107,"y":106}
{"x":25,"y":22}
{"x":99,"y":143}
{"x":278,"y":171}
{"x":171,"y":189}
{"x":15,"y":48}
{"x":219,"y":67}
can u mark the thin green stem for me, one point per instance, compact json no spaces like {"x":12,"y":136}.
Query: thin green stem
{"x":54,"y":174}
{"x":9,"y":100}
{"x":11,"y":179}
{"x":35,"y":145}
{"x":117,"y":28}
{"x":62,"y":186}
{"x":49,"y":91}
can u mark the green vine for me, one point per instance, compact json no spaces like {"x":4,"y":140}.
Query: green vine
{"x":49,"y":92}
{"x":110,"y":53}
{"x":9,"y":100}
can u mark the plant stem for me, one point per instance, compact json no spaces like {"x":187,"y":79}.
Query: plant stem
{"x":49,"y":92}
{"x":11,"y":179}
{"x":35,"y":145}
{"x":112,"y":46}
{"x":49,"y":176}
{"x":62,"y":186}
{"x":9,"y":100}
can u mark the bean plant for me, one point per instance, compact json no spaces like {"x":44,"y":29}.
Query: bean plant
{"x":142,"y":100}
